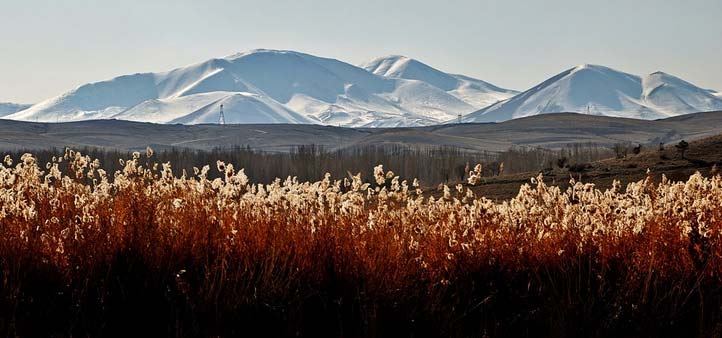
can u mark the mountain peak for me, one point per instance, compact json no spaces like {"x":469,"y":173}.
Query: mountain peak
{"x":601,"y":90}
{"x":395,"y":57}
{"x":664,"y":90}
{"x":400,"y":60}
{"x":260,"y":51}
{"x":594,"y":67}
{"x":398,"y":66}
{"x":662,"y":77}
{"x":474,"y":91}
{"x":659,"y":77}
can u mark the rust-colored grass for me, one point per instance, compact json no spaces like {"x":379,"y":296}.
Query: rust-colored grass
{"x":156,"y":253}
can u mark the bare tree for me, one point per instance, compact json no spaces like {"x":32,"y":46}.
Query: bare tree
{"x":621,"y":150}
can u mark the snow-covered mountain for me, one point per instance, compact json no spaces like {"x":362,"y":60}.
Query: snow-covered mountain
{"x":265,"y":86}
{"x":599,"y":90}
{"x":7,"y":108}
{"x":274,"y":86}
{"x":472,"y":91}
{"x":675,"y":96}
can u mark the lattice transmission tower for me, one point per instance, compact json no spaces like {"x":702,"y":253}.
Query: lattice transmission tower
{"x":221,"y":117}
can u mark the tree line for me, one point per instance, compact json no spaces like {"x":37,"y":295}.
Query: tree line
{"x":431,"y":165}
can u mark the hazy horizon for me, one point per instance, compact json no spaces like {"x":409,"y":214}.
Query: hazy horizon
{"x":49,"y":48}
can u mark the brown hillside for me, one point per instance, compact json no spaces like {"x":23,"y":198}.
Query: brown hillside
{"x":702,"y":155}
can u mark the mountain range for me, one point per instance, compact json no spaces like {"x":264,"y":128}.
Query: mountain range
{"x":271,"y":86}
{"x":276,"y":86}
{"x":599,"y":90}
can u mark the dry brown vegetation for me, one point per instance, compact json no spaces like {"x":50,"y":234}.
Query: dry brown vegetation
{"x":430,"y":165}
{"x":155,"y":252}
{"x":703,"y":155}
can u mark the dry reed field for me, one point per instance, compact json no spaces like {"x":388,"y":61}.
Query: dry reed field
{"x":149,"y":251}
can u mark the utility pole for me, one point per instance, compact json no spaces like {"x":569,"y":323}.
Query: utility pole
{"x":221,"y":118}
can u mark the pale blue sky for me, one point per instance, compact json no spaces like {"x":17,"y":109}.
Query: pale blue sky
{"x":48,"y":47}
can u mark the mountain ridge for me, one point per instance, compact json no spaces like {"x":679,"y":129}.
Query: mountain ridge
{"x":282,"y":86}
{"x":599,"y":90}
{"x":471,"y":90}
{"x":275,"y":86}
